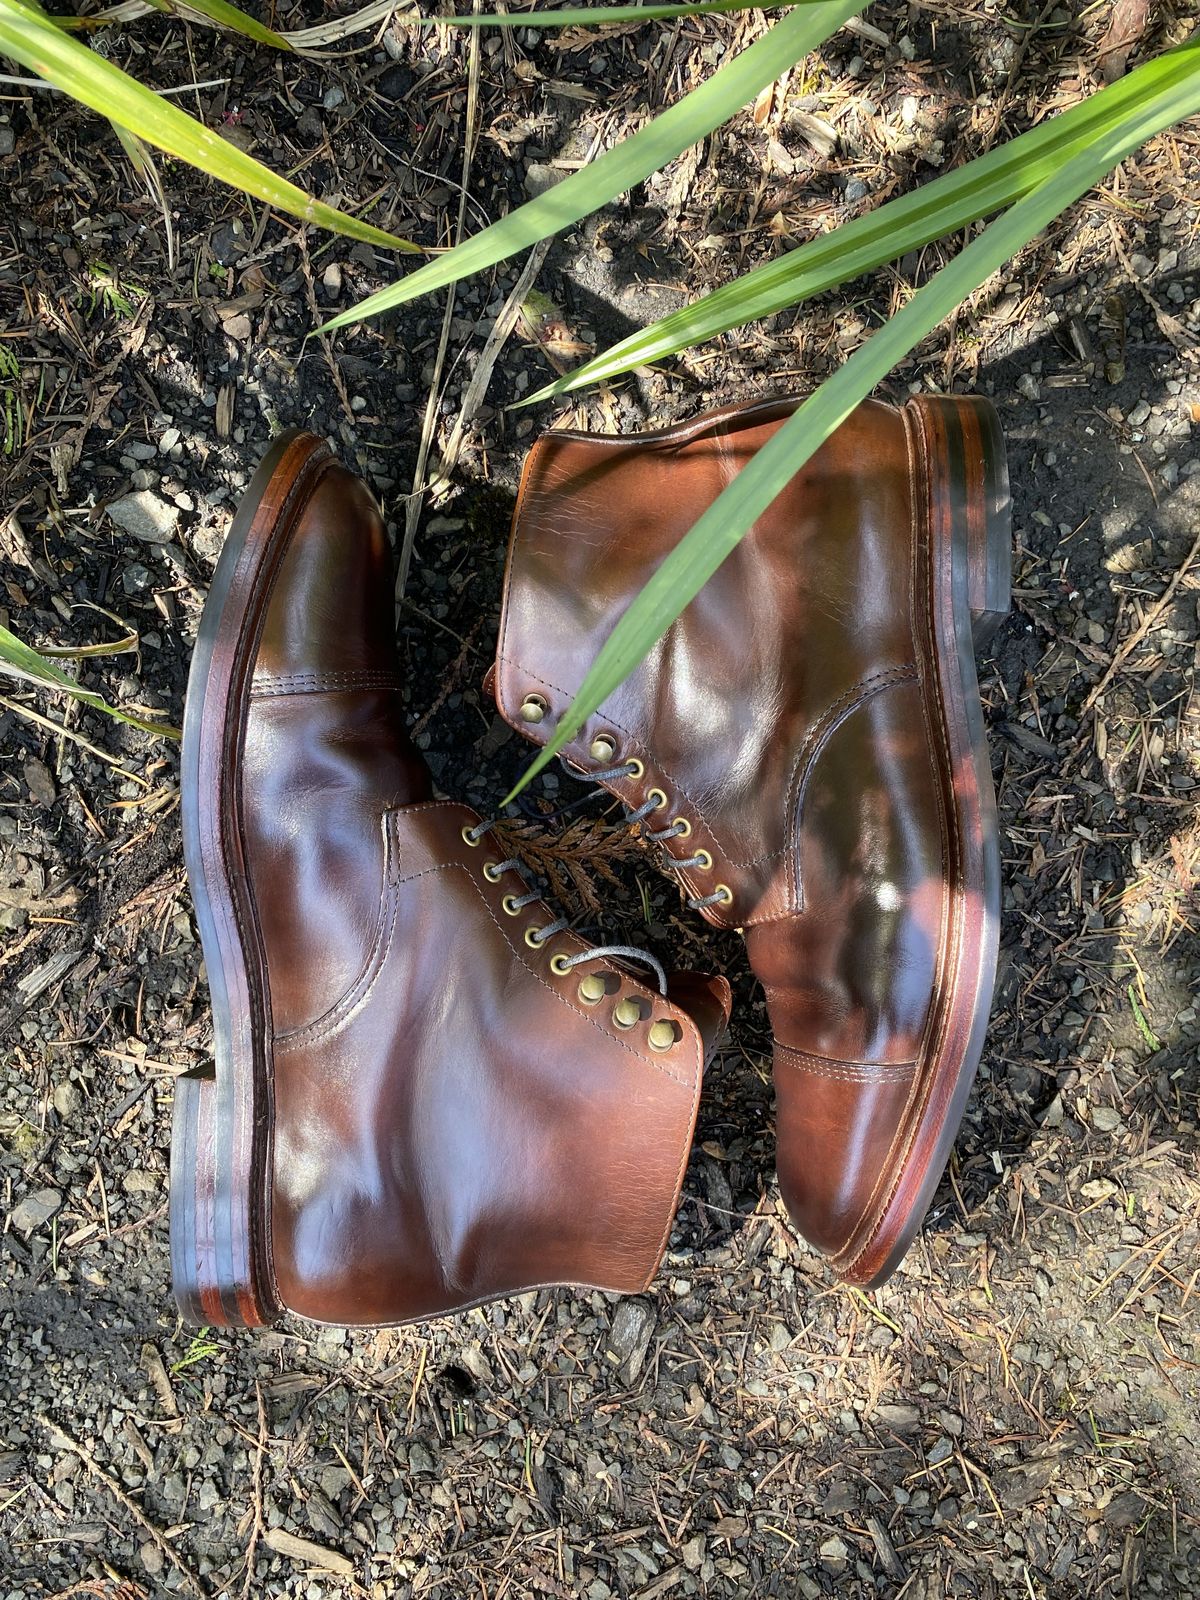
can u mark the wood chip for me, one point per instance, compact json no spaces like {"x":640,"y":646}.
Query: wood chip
{"x":224,"y":417}
{"x":312,"y":1555}
{"x":889,"y":1560}
{"x":1125,"y":29}
{"x":33,"y":983}
{"x":815,"y":131}
{"x":160,"y":1380}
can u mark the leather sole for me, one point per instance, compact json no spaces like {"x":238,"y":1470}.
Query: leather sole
{"x":220,"y":1134}
{"x":965,"y":579}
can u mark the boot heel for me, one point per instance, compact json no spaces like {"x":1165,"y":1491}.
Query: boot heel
{"x":213,"y":1274}
{"x":969,"y":466}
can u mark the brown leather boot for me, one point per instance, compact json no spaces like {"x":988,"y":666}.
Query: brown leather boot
{"x":426,"y":1092}
{"x":807,"y":744}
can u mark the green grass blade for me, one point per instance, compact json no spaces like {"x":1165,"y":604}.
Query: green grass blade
{"x":20,"y":660}
{"x":224,"y":15}
{"x":619,"y":169}
{"x":28,"y":37}
{"x":948,"y":203}
{"x":698,"y":555}
{"x":602,"y":16}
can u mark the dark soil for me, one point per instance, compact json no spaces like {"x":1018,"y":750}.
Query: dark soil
{"x":1016,"y":1412}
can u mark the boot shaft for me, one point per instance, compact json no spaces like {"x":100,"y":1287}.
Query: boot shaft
{"x":809,"y":616}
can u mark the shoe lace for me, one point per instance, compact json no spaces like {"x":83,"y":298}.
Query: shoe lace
{"x":677,"y":829}
{"x":596,"y":952}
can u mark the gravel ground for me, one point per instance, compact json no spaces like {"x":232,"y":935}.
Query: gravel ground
{"x":1015,"y":1413}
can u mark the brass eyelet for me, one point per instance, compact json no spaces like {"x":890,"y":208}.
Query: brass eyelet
{"x":560,"y":965}
{"x":703,"y":861}
{"x":726,"y":894}
{"x":533,"y":708}
{"x":491,"y":871}
{"x":592,"y":989}
{"x":634,"y":768}
{"x":510,"y":906}
{"x":532,"y":939}
{"x":683,"y":828}
{"x":659,"y":798}
{"x":603,"y":749}
{"x":467,"y":839}
{"x":663,"y":1035}
{"x":626,"y":1013}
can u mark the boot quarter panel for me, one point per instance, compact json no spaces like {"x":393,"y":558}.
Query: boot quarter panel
{"x":466,"y":1128}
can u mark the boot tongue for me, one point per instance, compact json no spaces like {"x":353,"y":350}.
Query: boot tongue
{"x":707,"y":1000}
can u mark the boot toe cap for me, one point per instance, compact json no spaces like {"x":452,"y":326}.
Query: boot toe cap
{"x":838,"y":1125}
{"x":330,"y":612}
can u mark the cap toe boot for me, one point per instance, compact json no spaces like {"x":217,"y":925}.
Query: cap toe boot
{"x":424,"y":1093}
{"x":807,"y":745}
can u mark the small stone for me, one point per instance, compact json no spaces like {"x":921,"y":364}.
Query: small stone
{"x":396,"y":82}
{"x":227,"y":243}
{"x":693,"y":1553}
{"x":139,"y":1182}
{"x":1105,"y":1119}
{"x":39,"y":781}
{"x":135,"y":578}
{"x":840,"y":1499}
{"x":1052,"y":1117}
{"x":835,"y":1551}
{"x":66,"y":1098}
{"x":333,"y":98}
{"x":151,"y":1558}
{"x":170,"y":438}
{"x":1139,"y":415}
{"x":1097,"y":1189}
{"x":36,"y":1209}
{"x":1125,"y":1510}
{"x":901,"y":1418}
{"x":322,"y":1516}
{"x":146,"y":516}
{"x":331,"y":279}
{"x":335,"y":1481}
{"x":8,"y":140}
{"x":629,"y":1337}
{"x":539,"y":178}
